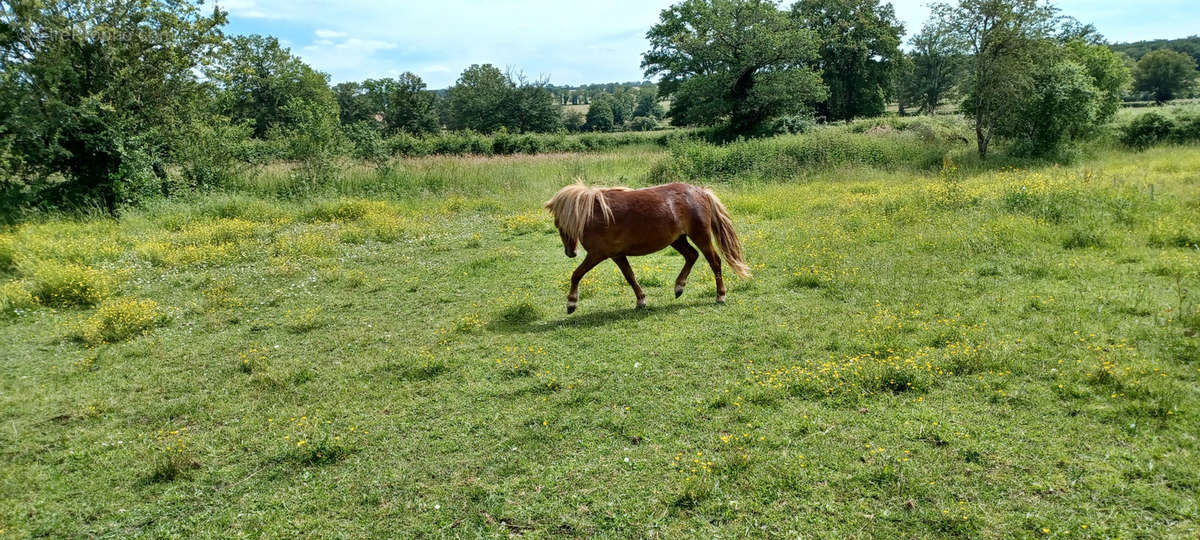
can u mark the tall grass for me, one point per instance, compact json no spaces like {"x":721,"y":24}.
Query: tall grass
{"x":791,"y":156}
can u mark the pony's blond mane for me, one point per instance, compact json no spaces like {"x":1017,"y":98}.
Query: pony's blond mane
{"x":573,"y":206}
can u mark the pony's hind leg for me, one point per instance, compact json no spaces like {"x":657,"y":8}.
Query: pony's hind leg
{"x":627,"y":271}
{"x":588,"y":263}
{"x":689,"y":258}
{"x":714,"y":261}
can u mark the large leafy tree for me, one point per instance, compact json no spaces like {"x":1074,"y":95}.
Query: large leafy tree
{"x":859,"y":53}
{"x":935,"y":69}
{"x":97,"y":90}
{"x":733,"y":62}
{"x":1005,"y":39}
{"x":259,"y":77}
{"x":1164,"y":73}
{"x":352,"y":104}
{"x":486,"y":99}
{"x":403,"y":102}
{"x":600,"y":113}
{"x":478,"y":99}
{"x":532,"y":107}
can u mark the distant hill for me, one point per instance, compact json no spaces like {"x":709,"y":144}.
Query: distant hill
{"x":1136,"y":50}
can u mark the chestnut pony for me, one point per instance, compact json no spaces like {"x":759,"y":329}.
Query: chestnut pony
{"x":616,"y":223}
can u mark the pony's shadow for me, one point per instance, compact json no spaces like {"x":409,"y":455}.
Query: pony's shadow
{"x":598,"y":318}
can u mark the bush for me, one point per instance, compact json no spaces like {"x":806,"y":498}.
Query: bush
{"x":313,"y":137}
{"x":1187,"y":128}
{"x":214,"y":152}
{"x":68,"y":285}
{"x":643,"y":123}
{"x":366,"y":139}
{"x":1147,"y":130}
{"x":118,"y":320}
{"x":13,"y":296}
{"x":791,"y":125}
{"x":1063,"y":106}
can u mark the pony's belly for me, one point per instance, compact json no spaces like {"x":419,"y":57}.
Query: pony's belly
{"x":645,"y":248}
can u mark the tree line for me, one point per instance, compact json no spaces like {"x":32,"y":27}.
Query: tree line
{"x":99,"y":99}
{"x":1019,"y":69}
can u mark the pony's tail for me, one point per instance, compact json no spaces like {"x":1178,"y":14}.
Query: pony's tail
{"x":727,"y":240}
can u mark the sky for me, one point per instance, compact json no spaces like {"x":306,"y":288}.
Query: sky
{"x":566,"y":42}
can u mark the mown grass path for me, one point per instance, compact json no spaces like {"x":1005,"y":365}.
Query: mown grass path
{"x":998,"y":354}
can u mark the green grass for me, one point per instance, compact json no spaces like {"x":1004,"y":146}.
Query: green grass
{"x":975,"y":354}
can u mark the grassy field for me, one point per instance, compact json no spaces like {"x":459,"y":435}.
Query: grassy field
{"x":974,"y":352}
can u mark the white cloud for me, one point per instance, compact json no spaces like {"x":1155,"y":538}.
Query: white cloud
{"x":248,"y":9}
{"x":329,"y":34}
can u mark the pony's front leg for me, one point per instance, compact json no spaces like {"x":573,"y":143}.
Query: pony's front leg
{"x":588,"y":263}
{"x":627,"y":271}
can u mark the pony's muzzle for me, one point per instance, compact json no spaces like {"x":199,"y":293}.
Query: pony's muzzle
{"x":570,"y":253}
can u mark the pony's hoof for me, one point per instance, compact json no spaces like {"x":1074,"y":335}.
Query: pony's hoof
{"x":721,"y":299}
{"x":641,"y":304}
{"x":571,"y":308}
{"x":678,"y":292}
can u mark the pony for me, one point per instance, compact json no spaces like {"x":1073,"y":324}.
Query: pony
{"x":618,"y":223}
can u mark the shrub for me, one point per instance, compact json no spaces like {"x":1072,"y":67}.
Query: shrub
{"x":213,"y":153}
{"x":791,"y":125}
{"x":1063,"y":106}
{"x":368,"y":144}
{"x":643,"y":123}
{"x":313,"y":137}
{"x":1187,"y":128}
{"x":68,"y":285}
{"x":14,"y":295}
{"x":1147,"y":130}
{"x":121,"y":319}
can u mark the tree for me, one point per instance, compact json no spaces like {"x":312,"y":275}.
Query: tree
{"x":259,"y":77}
{"x":476,"y":101}
{"x":532,"y":107}
{"x":1005,"y":39}
{"x":859,"y":50}
{"x":352,"y":104}
{"x":486,"y":99}
{"x":600,"y":113}
{"x":1164,"y":74}
{"x":573,"y":121}
{"x":1108,"y":71}
{"x":623,"y":104}
{"x":98,"y":92}
{"x":647,"y":103}
{"x":733,"y":62}
{"x":936,"y":68}
{"x":403,"y":103}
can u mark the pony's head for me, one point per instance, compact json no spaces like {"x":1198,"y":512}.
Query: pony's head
{"x":572,"y":208}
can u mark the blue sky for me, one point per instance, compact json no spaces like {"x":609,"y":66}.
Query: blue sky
{"x":569,"y":42}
